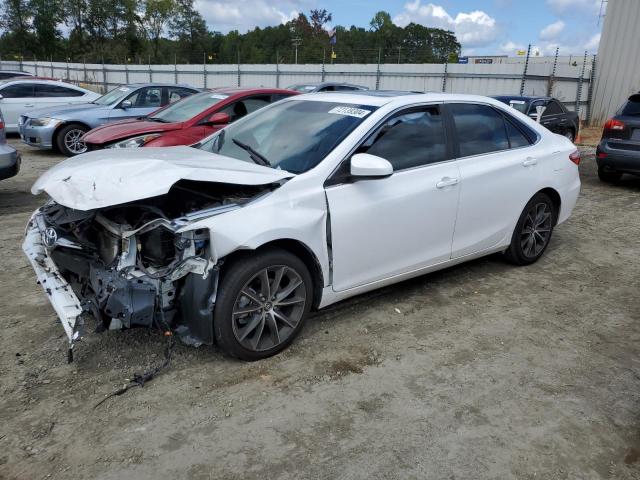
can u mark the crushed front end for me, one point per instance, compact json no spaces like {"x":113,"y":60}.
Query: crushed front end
{"x":129,"y":266}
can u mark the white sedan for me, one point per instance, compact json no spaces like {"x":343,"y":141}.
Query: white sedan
{"x":306,"y":202}
{"x":20,"y":96}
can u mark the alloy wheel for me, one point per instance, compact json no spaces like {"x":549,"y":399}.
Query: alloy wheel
{"x":268,"y":308}
{"x":536,"y":230}
{"x":73,"y":143}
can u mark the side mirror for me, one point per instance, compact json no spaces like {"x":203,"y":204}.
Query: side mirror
{"x":126,"y":104}
{"x":1,"y":97}
{"x":219,"y":118}
{"x":364,"y":165}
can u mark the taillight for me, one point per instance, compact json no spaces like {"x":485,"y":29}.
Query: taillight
{"x":1,"y":125}
{"x":575,"y":157}
{"x":613,"y":124}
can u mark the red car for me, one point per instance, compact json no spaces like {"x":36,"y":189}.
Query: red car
{"x":186,"y":121}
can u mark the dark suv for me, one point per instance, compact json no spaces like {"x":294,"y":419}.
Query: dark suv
{"x":619,"y":149}
{"x":555,"y":116}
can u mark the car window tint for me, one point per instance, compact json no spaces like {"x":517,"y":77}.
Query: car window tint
{"x":480,"y":129}
{"x":632,"y":107}
{"x":553,"y":108}
{"x":410,"y":139}
{"x":56,"y":91}
{"x":18,"y":90}
{"x":149,"y":97}
{"x":243,"y":107}
{"x":177,"y":93}
{"x":516,"y":137}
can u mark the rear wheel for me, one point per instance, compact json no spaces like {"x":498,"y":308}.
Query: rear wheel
{"x":533,"y":230}
{"x":608,"y":176}
{"x":262,"y":304}
{"x":68,"y":140}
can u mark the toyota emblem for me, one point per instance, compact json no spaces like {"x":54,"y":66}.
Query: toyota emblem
{"x":50,"y":237}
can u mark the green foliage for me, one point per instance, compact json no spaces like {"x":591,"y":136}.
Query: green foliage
{"x":138,"y":31}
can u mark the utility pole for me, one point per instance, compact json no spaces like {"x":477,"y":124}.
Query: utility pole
{"x":297,"y":41}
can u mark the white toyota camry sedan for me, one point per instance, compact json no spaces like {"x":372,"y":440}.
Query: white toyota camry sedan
{"x":301,"y":204}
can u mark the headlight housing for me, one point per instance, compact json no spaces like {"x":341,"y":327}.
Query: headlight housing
{"x":135,"y":142}
{"x":43,"y":122}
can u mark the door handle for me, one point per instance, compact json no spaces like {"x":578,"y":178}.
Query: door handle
{"x":529,"y":161}
{"x":29,"y":105}
{"x":447,"y":182}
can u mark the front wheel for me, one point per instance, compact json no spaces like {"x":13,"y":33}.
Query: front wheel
{"x":69,"y":140}
{"x":262,"y":304}
{"x":533,"y":230}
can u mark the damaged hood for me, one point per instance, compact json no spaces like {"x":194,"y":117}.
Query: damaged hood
{"x":114,"y":176}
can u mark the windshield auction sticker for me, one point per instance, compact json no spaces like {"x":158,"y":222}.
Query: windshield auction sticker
{"x":350,"y":111}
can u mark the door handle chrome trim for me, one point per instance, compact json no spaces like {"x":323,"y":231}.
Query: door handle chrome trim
{"x":447,"y":182}
{"x":529,"y":161}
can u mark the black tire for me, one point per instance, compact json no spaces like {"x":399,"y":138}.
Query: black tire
{"x":530,"y":239}
{"x":261,"y":341}
{"x":608,"y":177}
{"x":65,"y":139}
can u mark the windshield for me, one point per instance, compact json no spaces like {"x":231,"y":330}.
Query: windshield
{"x":113,"y":96}
{"x":303,"y":88}
{"x":632,"y":107}
{"x":292,"y":135}
{"x":188,"y":108}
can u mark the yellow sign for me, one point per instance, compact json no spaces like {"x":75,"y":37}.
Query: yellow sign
{"x":210,"y":57}
{"x":521,"y":52}
{"x":333,"y":55}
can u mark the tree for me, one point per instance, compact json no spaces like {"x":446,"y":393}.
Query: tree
{"x":188,"y":27}
{"x":156,"y":15}
{"x":16,"y":21}
{"x":319,"y":18}
{"x":47,"y":15}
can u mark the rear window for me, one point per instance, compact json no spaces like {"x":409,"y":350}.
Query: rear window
{"x":632,"y":107}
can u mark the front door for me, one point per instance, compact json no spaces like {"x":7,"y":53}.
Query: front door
{"x":384,"y":227}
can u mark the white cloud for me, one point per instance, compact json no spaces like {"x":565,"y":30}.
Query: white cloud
{"x":243,"y":15}
{"x":593,"y":43}
{"x":473,"y":29}
{"x":581,"y":7}
{"x":510,"y":48}
{"x":552,"y":30}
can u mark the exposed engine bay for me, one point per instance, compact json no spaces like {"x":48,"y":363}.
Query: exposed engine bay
{"x":129,"y":266}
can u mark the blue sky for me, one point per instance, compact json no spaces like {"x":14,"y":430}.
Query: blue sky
{"x":482,"y":26}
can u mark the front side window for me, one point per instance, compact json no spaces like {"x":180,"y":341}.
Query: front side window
{"x":293,"y":135}
{"x":243,"y":107}
{"x":18,"y":90}
{"x":410,"y":139}
{"x":480,"y":129}
{"x":178,"y":93}
{"x":148,"y":97}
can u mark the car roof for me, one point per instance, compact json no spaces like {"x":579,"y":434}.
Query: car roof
{"x":158,"y":84}
{"x":523,"y":98}
{"x":39,"y":81}
{"x":377,"y":98}
{"x":19,"y":72}
{"x":245,"y":90}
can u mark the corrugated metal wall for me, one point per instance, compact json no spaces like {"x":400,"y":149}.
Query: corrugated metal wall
{"x":618,"y":67}
{"x":481,"y":79}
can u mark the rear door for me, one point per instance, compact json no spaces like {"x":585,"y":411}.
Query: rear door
{"x":17,"y":98}
{"x":384,"y":227}
{"x":554,"y":117}
{"x":498,"y":171}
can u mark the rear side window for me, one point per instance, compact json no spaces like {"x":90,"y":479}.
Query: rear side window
{"x":56,"y":91}
{"x":553,"y":108}
{"x":410,"y":139}
{"x":632,"y":107}
{"x":480,"y":129}
{"x":18,"y":90}
{"x":516,"y":137}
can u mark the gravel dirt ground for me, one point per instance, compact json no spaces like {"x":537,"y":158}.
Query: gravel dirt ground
{"x":483,"y":371}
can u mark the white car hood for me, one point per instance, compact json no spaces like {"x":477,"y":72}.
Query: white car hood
{"x":114,"y":176}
